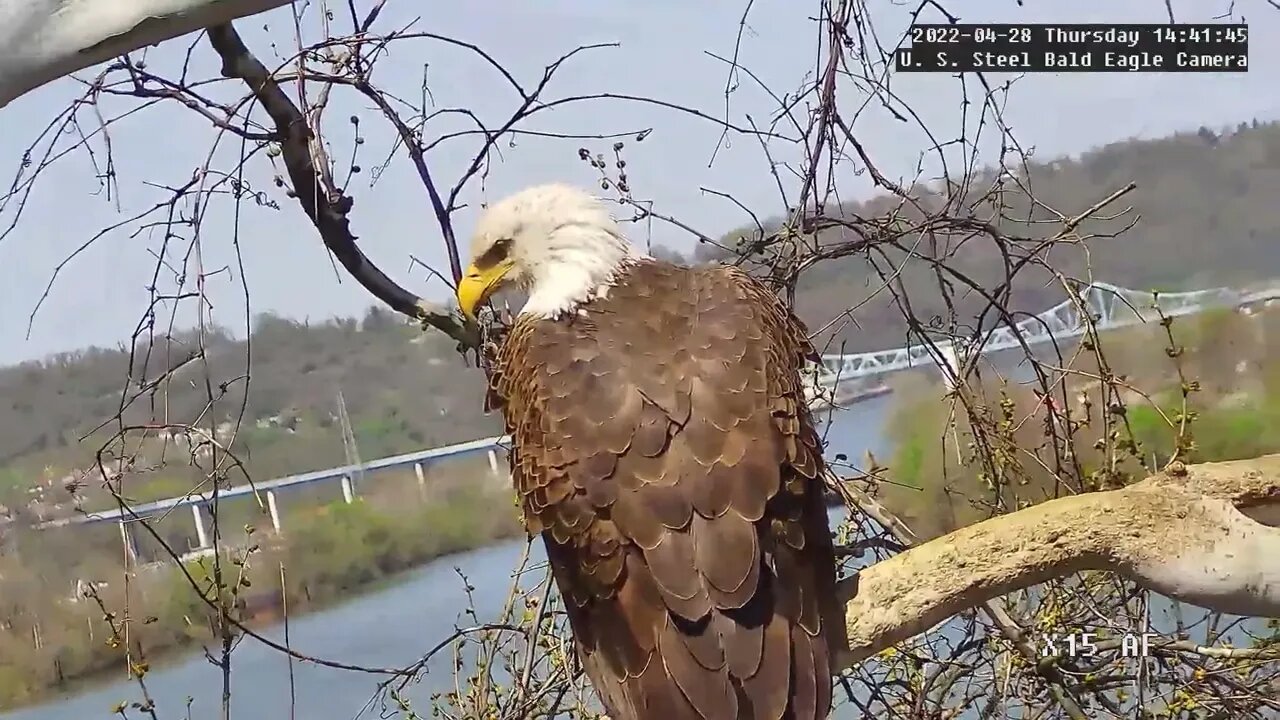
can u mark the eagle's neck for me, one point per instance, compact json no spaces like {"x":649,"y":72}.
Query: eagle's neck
{"x":580,"y":265}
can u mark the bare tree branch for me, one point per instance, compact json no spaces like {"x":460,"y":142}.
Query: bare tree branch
{"x":1190,"y":535}
{"x":326,"y":206}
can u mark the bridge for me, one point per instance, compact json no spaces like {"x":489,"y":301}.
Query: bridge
{"x":1110,"y":306}
{"x":268,"y":490}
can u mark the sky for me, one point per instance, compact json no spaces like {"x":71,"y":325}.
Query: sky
{"x":269,"y":259}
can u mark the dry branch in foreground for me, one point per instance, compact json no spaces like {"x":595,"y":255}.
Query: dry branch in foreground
{"x":1195,"y":534}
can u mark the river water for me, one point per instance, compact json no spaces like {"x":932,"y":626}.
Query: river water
{"x":392,"y":627}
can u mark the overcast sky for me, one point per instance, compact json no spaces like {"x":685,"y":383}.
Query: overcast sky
{"x":100,"y":295}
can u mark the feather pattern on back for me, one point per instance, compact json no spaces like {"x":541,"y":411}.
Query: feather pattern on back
{"x":664,"y":450}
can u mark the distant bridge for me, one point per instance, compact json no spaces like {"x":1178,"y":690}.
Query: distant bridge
{"x":1110,"y":306}
{"x":268,"y":489}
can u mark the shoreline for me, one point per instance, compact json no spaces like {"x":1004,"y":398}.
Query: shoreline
{"x":267,"y":617}
{"x":331,"y":557}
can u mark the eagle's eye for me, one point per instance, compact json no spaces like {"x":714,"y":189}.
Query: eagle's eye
{"x":495,"y":254}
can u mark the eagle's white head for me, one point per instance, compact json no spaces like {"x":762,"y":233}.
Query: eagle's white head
{"x":556,"y":242}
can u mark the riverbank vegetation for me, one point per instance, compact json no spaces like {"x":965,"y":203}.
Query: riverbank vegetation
{"x":68,"y":614}
{"x":1227,"y":361}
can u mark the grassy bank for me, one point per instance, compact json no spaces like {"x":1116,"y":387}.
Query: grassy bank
{"x":328,"y":552}
{"x":1228,"y":361}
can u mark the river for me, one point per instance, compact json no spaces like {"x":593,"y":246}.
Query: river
{"x":392,"y":627}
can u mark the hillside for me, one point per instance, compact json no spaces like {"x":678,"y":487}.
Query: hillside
{"x":1205,"y":211}
{"x":403,"y":390}
{"x":1208,"y":215}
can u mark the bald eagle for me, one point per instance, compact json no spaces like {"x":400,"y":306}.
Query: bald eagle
{"x":663,"y":448}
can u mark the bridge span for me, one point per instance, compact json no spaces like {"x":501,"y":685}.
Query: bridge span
{"x":1110,"y":306}
{"x":268,"y":490}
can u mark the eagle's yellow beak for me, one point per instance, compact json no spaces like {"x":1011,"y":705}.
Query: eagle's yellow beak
{"x":477,"y":285}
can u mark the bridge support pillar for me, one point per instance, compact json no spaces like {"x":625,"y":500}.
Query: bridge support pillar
{"x":949,"y":366}
{"x":202,"y":535}
{"x":348,"y":493}
{"x":493,"y":463}
{"x":130,"y":548}
{"x":274,"y":510}
{"x":422,"y":480}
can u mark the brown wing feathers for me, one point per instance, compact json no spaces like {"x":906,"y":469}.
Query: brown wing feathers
{"x":663,"y":449}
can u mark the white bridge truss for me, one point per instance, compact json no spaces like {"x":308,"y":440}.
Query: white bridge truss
{"x":1110,"y":306}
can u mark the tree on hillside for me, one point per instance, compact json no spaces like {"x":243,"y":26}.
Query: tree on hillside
{"x":1075,"y":532}
{"x":662,"y":252}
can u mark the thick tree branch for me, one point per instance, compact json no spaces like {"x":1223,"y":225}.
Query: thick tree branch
{"x":326,"y":206}
{"x":43,"y":40}
{"x":1195,"y":534}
